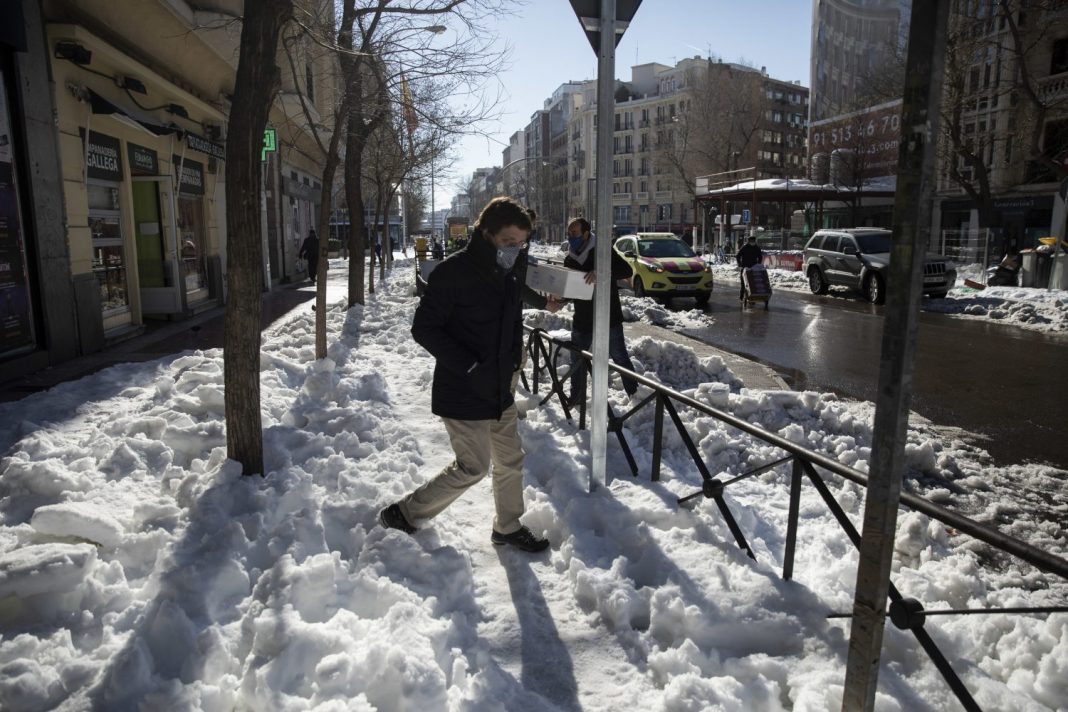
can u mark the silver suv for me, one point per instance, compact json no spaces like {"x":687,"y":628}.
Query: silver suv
{"x":860,"y":258}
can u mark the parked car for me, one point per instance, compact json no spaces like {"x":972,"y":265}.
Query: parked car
{"x":665,"y":267}
{"x":860,"y":258}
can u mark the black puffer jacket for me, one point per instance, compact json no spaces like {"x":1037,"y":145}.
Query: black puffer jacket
{"x":583,"y":319}
{"x":470,"y":321}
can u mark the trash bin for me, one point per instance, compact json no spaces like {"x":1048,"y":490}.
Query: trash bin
{"x":1042,"y":269}
{"x":1028,"y":265}
{"x":1059,"y":273}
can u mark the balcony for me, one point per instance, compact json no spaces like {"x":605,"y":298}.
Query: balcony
{"x":662,"y":195}
{"x":641,"y":197}
{"x":1053,"y":88}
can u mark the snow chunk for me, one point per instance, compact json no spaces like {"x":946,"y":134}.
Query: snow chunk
{"x":78,"y":520}
{"x":44,"y":568}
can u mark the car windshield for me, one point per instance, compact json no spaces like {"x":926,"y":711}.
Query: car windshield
{"x":664,"y":248}
{"x":873,"y":243}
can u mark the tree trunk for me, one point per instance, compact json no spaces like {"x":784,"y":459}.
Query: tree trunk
{"x":354,"y":198}
{"x":329,"y":169}
{"x":255,"y":85}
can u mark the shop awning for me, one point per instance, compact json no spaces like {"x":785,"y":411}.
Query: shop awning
{"x":100,"y":105}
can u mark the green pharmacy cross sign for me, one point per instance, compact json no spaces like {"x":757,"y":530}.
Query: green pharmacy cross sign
{"x":270,"y":143}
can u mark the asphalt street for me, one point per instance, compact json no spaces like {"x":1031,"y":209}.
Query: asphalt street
{"x":1006,"y":385}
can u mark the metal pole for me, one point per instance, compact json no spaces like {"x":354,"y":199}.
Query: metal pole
{"x":602,"y":291}
{"x":432,"y":216}
{"x":912,"y":224}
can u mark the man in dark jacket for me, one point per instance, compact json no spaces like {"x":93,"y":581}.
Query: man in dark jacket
{"x":580,"y":256}
{"x":469,"y":319}
{"x":748,"y":256}
{"x":309,"y":250}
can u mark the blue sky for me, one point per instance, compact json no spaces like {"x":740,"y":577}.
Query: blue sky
{"x":549,"y":48}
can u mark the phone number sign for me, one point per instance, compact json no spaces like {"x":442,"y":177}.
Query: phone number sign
{"x":872,"y":134}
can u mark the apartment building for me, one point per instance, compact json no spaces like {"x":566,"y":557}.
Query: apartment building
{"x":674,"y":123}
{"x":1004,"y":141}
{"x":127,"y":221}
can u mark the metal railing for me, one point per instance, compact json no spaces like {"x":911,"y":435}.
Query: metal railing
{"x":544,"y":351}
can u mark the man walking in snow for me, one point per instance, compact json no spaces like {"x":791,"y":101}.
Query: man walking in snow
{"x":309,"y":250}
{"x":749,"y":255}
{"x":470,"y":321}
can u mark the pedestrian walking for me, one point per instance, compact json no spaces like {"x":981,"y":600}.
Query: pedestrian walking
{"x":469,"y":320}
{"x":309,"y":250}
{"x":580,"y":256}
{"x":749,"y":255}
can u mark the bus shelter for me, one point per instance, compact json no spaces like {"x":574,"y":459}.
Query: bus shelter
{"x":732,"y":192}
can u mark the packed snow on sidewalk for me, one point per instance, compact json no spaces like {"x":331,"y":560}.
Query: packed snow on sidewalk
{"x":140,"y":570}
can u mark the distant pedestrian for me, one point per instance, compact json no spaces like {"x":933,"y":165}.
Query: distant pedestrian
{"x":749,"y":255}
{"x":580,"y":257}
{"x":469,"y":320}
{"x":309,"y":250}
{"x":687,"y":237}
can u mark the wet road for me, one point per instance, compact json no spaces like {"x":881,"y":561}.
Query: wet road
{"x":1004,"y":384}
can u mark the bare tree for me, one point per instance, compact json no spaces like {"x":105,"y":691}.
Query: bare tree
{"x":388,"y":40}
{"x":320,"y":30}
{"x":718,"y":122}
{"x":254,"y":89}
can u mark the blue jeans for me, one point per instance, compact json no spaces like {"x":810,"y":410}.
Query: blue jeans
{"x":617,"y":351}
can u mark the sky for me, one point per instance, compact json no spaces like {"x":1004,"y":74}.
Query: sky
{"x":549,"y":48}
{"x":140,"y":571}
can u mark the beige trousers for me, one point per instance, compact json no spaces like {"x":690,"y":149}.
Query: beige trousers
{"x":477,"y":444}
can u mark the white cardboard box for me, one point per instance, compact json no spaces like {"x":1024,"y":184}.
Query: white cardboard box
{"x":561,"y":281}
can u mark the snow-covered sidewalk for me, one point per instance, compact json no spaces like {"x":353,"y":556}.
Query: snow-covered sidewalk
{"x":139,"y":570}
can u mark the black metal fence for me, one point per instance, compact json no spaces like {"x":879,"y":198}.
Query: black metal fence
{"x":544,"y":353}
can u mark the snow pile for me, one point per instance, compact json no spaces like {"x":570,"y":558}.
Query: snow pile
{"x":140,"y":570}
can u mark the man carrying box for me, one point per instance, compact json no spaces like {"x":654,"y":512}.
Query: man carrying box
{"x":580,"y":257}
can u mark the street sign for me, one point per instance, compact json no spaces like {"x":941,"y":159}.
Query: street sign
{"x":745,"y":216}
{"x":589,"y":16}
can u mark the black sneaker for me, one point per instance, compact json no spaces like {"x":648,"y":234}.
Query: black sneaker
{"x":521,"y":538}
{"x":391,"y":518}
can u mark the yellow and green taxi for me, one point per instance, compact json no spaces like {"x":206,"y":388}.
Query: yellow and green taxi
{"x":665,"y":267}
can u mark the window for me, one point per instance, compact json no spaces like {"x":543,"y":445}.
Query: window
{"x":621,"y":214}
{"x":1058,"y":62}
{"x":109,"y":257}
{"x":190,"y":217}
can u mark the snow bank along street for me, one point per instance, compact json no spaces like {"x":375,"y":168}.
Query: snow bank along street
{"x":138,"y":570}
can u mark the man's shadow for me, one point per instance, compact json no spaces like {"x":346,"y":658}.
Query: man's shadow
{"x":547,"y":667}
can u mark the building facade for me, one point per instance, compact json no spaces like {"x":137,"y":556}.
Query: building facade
{"x":125,"y":219}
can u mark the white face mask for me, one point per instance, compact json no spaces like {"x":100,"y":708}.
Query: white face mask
{"x":506,"y":256}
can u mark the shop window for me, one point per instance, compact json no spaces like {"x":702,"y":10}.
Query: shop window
{"x":191,"y":231}
{"x":109,"y":256}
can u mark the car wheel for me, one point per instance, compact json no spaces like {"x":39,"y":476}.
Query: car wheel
{"x":639,"y":287}
{"x":816,"y":283}
{"x":874,"y":288}
{"x":702,"y":300}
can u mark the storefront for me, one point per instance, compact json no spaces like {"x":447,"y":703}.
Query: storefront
{"x":192,"y":230}
{"x":104,"y":174}
{"x":1016,"y":221}
{"x":16,"y":306}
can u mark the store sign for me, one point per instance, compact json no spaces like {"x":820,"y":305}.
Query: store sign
{"x":103,"y":157}
{"x":191,"y":180}
{"x":199,"y":143}
{"x":143,"y":161}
